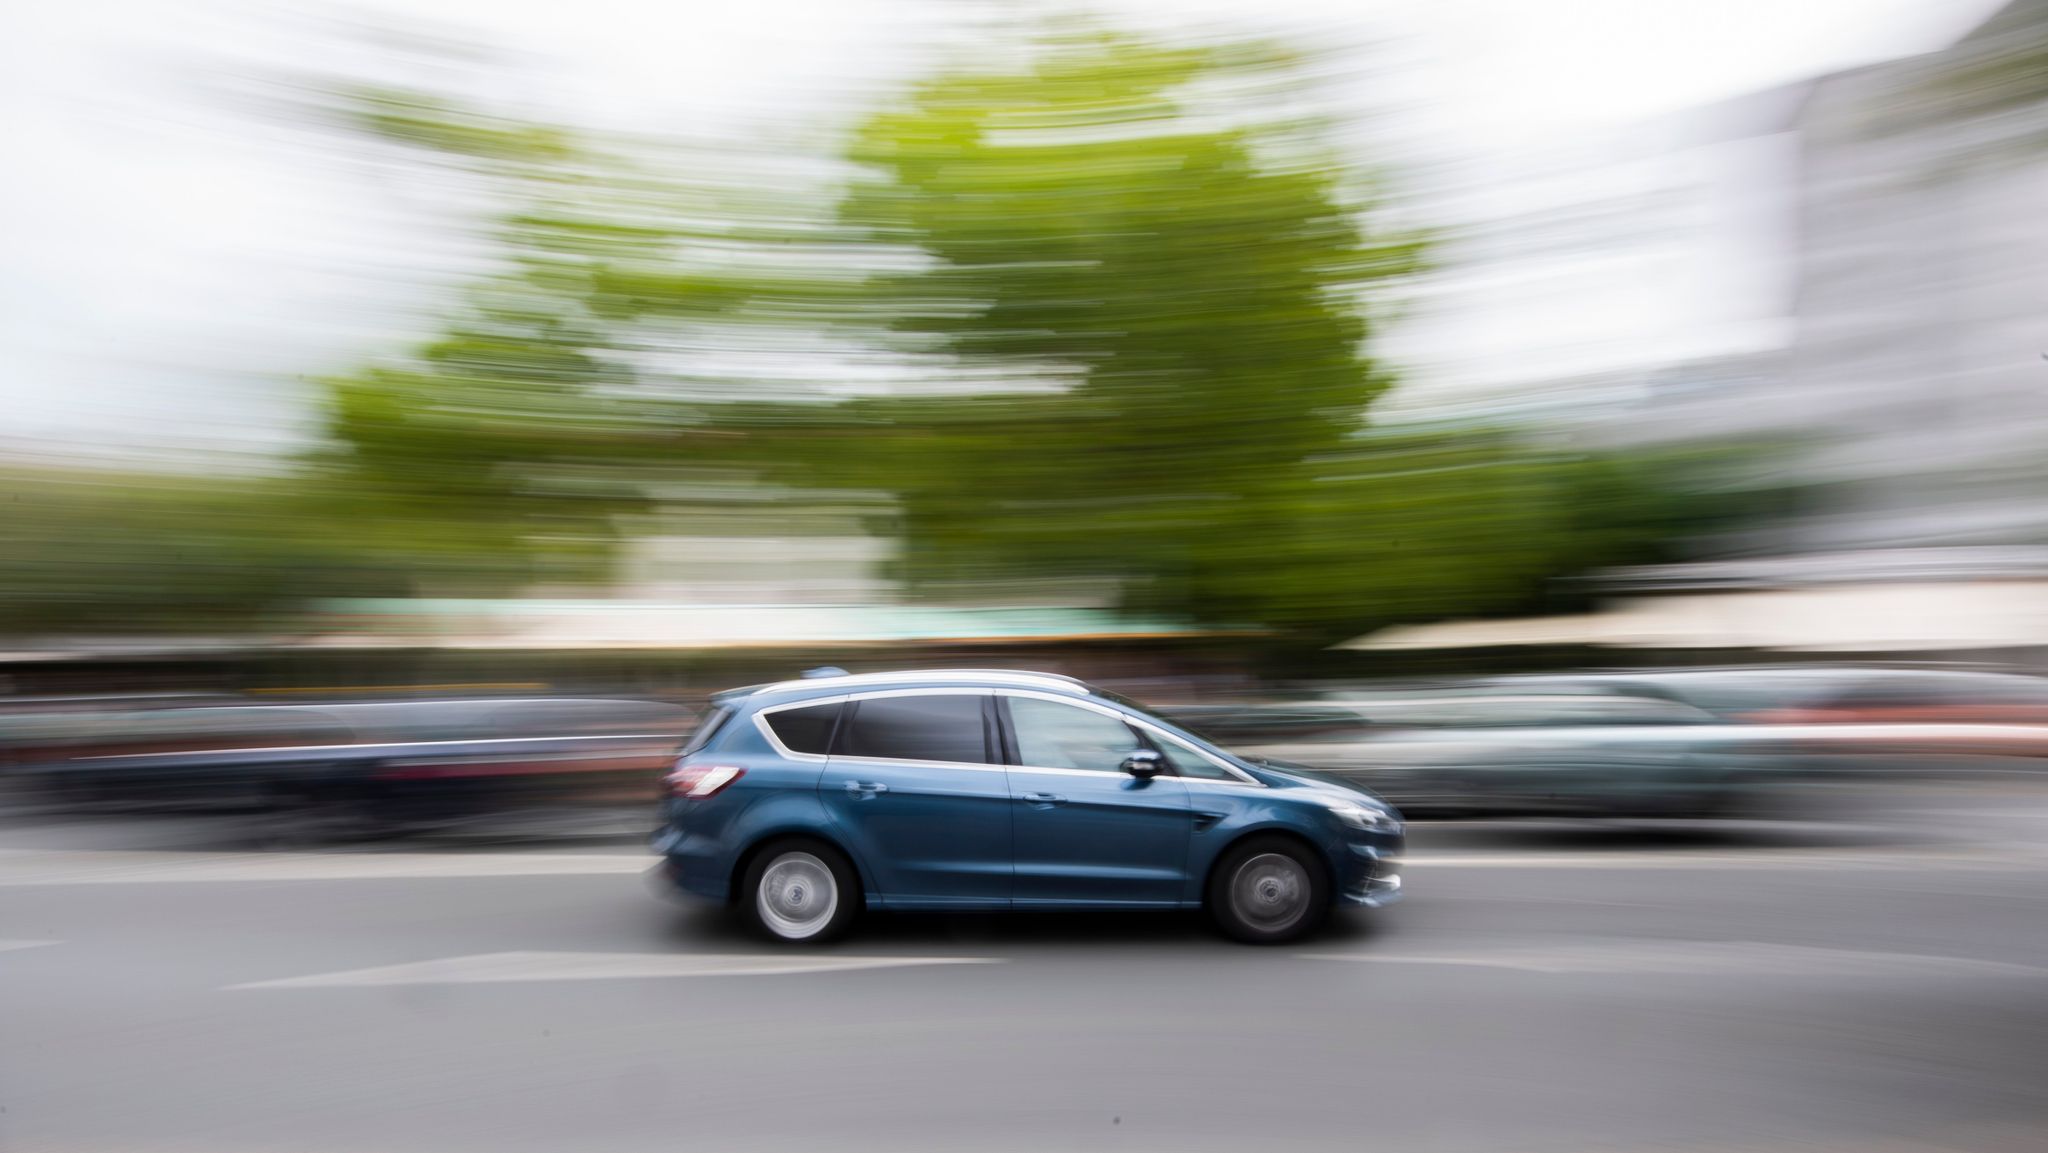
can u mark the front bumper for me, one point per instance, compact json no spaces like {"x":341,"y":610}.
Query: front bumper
{"x":1373,"y":876}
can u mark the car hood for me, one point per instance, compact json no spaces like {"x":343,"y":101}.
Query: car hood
{"x":1288,"y":775}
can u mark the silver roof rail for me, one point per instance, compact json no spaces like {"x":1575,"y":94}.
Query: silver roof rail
{"x":1022,"y":679}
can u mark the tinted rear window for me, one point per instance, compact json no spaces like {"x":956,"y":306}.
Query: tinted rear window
{"x":805,"y":730}
{"x":918,"y":728}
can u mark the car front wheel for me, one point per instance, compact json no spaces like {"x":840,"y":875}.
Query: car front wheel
{"x":1268,"y":890}
{"x":800,"y":891}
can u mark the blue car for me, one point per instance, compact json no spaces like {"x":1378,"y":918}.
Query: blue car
{"x":804,"y":802}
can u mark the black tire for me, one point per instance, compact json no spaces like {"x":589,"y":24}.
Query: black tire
{"x":795,"y":909}
{"x":1267,"y":890}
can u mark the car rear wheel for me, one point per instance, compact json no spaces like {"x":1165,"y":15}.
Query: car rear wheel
{"x":800,"y":892}
{"x":1268,"y":890}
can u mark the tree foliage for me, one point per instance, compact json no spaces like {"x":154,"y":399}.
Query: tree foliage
{"x":501,"y":451}
{"x":1130,"y":291}
{"x":1166,"y":246}
{"x":127,"y":552}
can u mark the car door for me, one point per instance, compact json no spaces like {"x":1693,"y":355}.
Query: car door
{"x":1088,"y":833}
{"x":915,"y":785}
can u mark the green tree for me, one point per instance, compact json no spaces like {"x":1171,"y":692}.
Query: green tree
{"x":1147,"y":278}
{"x":502,"y":450}
{"x":1132,"y":289}
{"x":1162,"y":243}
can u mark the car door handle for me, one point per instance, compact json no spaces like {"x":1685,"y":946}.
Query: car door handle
{"x":866,"y":788}
{"x":1043,"y":800}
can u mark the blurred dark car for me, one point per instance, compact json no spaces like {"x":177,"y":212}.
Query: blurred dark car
{"x":1498,"y":754}
{"x":37,"y":729}
{"x":362,"y":765}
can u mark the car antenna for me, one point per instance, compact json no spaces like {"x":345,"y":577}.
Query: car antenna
{"x":824,"y":671}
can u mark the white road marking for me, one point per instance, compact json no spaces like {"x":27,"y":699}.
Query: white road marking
{"x":1700,"y":958}
{"x":126,"y":867}
{"x":1897,"y":857}
{"x":8,"y":945}
{"x":493,"y":968}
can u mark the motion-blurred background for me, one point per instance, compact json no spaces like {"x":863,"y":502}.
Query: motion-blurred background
{"x":1613,"y":430}
{"x":445,"y":351}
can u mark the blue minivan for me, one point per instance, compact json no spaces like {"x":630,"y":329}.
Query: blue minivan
{"x":803,"y":802}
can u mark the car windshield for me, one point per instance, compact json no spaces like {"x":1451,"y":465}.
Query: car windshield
{"x":1205,"y":728}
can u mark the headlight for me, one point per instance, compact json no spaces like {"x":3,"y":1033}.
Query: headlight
{"x":1366,"y":817}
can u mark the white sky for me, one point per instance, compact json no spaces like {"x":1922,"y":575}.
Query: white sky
{"x":174,"y":268}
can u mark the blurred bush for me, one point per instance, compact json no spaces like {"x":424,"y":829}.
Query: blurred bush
{"x":117,"y":551}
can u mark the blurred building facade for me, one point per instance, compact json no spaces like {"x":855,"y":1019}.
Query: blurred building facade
{"x":1922,"y":260}
{"x":1579,"y":283}
{"x":1859,"y":264}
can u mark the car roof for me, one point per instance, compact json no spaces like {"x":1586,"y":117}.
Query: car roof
{"x":835,"y":685}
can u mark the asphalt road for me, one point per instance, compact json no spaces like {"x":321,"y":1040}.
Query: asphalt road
{"x":1874,"y":990}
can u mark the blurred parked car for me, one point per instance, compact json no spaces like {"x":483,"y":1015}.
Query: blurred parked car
{"x":1739,"y":693}
{"x":1837,"y":720}
{"x":1492,"y":753}
{"x":1922,"y":696}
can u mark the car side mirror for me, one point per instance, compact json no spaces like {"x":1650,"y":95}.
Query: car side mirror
{"x":1144,"y":764}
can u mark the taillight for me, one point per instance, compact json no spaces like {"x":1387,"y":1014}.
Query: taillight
{"x":701,"y":780}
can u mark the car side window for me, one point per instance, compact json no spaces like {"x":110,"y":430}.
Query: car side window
{"x":805,"y":730}
{"x":1051,"y":735}
{"x":937,"y":727}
